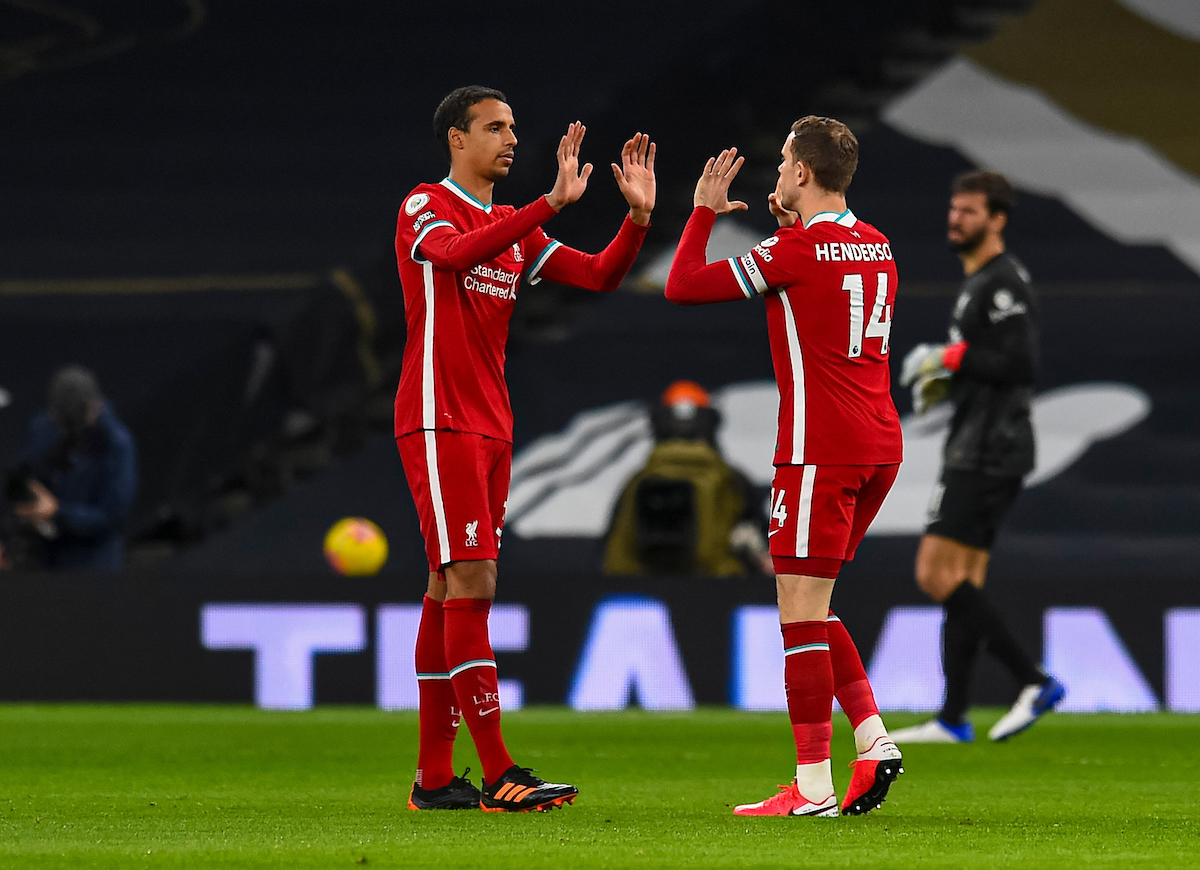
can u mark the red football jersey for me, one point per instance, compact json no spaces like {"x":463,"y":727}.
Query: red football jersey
{"x":453,"y":370}
{"x":460,"y":263}
{"x":830,"y":288}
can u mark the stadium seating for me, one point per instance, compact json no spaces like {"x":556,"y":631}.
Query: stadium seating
{"x":201,"y":208}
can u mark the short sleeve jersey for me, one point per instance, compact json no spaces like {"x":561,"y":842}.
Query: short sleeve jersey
{"x":452,"y":376}
{"x":830,"y":288}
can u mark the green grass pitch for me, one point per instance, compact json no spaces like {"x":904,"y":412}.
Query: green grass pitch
{"x":183,"y":786}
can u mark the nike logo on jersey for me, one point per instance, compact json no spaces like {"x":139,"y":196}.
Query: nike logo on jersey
{"x":773,"y":532}
{"x":488,"y":711}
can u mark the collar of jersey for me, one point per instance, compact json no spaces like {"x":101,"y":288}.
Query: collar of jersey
{"x":464,"y":196}
{"x":845,"y":219}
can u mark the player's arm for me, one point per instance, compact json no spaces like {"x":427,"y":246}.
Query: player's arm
{"x":692,"y":280}
{"x":1006,"y":351}
{"x":605,"y":270}
{"x":443,"y":245}
{"x":447,"y":248}
{"x":602,"y":272}
{"x":1001,"y":351}
{"x":109,"y":502}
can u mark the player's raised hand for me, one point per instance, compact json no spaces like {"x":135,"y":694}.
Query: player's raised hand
{"x":712,"y":190}
{"x":785,"y":216}
{"x":635,"y":177}
{"x":571,"y":181}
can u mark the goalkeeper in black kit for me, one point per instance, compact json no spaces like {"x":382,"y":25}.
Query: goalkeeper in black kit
{"x":986,"y":370}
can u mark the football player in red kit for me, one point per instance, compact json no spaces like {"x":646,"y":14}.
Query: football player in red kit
{"x":829,"y":282}
{"x":461,"y":260}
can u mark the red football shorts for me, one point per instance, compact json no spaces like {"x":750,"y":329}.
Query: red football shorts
{"x":819,"y":514}
{"x":459,"y":482}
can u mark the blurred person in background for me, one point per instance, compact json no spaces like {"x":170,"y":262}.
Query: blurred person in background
{"x":687,"y":511}
{"x":70,"y":498}
{"x":986,"y":370}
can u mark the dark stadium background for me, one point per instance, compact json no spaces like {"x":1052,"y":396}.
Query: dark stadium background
{"x":197,"y":200}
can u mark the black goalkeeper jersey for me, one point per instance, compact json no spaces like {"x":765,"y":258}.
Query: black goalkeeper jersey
{"x":996,"y":314}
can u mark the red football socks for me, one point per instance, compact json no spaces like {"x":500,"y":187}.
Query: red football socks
{"x":850,"y":683}
{"x":438,"y":713}
{"x":808,"y":679}
{"x":472,"y":667}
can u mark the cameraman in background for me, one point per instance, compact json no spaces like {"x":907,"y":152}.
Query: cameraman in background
{"x":70,"y":498}
{"x":687,"y":511}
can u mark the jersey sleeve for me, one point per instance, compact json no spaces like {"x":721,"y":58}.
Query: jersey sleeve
{"x":777,"y":261}
{"x":424,"y":211}
{"x":536,"y":248}
{"x":1003,"y":347}
{"x":796,"y":258}
{"x":694,"y":281}
{"x":436,"y":240}
{"x":602,"y":271}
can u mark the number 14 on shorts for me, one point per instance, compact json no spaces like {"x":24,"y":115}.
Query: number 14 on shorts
{"x":779,"y":512}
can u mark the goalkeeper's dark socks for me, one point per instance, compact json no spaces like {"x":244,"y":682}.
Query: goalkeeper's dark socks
{"x":960,"y":647}
{"x":438,"y":711}
{"x":999,"y":641}
{"x":472,"y":668}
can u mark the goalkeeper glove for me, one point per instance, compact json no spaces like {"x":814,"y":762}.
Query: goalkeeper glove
{"x":929,"y":390}
{"x":924,"y":359}
{"x":931,"y":359}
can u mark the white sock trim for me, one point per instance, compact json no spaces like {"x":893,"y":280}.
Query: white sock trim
{"x":868,"y":731}
{"x":815,"y":781}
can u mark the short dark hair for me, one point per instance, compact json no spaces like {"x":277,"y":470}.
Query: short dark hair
{"x":829,"y":149}
{"x":999,"y":190}
{"x":455,"y":111}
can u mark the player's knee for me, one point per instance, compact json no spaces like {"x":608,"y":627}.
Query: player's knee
{"x":935,"y":581}
{"x":437,"y":586}
{"x":471,"y":579}
{"x":924,"y":579}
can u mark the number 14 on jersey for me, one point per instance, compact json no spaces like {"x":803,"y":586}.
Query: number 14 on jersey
{"x":880,"y":323}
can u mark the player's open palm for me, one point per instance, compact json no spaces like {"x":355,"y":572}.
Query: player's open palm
{"x":572,"y":180}
{"x":635,"y":176}
{"x":712,"y":190}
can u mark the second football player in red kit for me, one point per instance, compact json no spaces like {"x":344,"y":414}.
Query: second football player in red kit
{"x":829,"y":281}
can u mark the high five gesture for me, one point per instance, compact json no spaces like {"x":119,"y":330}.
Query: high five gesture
{"x":712,"y":190}
{"x":635,"y":177}
{"x":571,"y":181}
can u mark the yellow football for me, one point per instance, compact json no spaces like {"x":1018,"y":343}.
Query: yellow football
{"x":356,"y":547}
